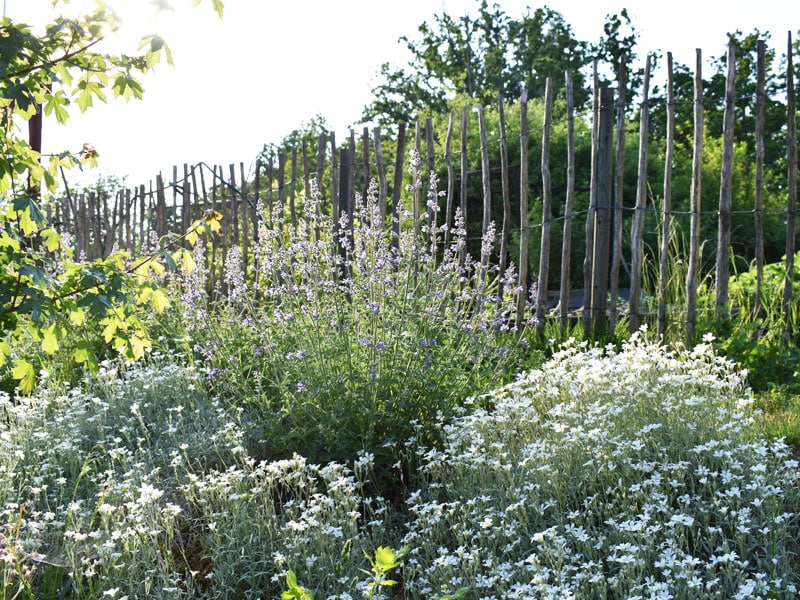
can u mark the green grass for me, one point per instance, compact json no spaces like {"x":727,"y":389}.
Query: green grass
{"x":780,"y":416}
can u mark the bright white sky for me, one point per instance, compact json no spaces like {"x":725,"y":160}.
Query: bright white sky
{"x":272,"y":65}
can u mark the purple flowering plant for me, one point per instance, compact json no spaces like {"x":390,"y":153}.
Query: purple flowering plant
{"x":346,"y":334}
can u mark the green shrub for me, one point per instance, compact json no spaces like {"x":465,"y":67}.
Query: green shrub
{"x":758,"y":336}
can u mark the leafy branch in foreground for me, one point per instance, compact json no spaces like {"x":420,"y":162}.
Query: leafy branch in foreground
{"x":53,"y":296}
{"x":44,"y":293}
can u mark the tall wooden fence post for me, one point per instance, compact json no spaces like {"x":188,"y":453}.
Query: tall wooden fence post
{"x":602,"y":214}
{"x":506,"y":232}
{"x":566,"y":242}
{"x":335,"y":210}
{"x":161,"y":208}
{"x":760,"y":153}
{"x":544,"y":253}
{"x":293,"y":189}
{"x":381,"y":168}
{"x":366,"y":170}
{"x":448,"y":160}
{"x":432,"y":201}
{"x":464,"y":174}
{"x":619,"y":177}
{"x":637,"y":228}
{"x":397,"y":188}
{"x":417,"y":185}
{"x":722,"y":310}
{"x":586,"y":317}
{"x":281,"y":188}
{"x":791,"y":209}
{"x":346,"y":191}
{"x":245,"y":220}
{"x":692,"y":277}
{"x":487,"y":190}
{"x":524,"y":228}
{"x":665,"y":226}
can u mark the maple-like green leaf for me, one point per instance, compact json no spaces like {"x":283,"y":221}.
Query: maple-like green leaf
{"x":56,"y":104}
{"x":138,"y":343}
{"x":185,"y":258}
{"x":127,"y":87}
{"x":84,"y":355}
{"x":26,"y":223}
{"x":49,"y":340}
{"x":160,"y":300}
{"x":51,"y":239}
{"x":144,"y":295}
{"x":112,"y":324}
{"x":25,"y":374}
{"x":212,"y":217}
{"x":6,"y":241}
{"x":385,"y":559}
{"x":77,"y":317}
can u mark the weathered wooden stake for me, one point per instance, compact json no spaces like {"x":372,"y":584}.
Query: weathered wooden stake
{"x":586,"y":316}
{"x":381,"y":168}
{"x":566,"y":240}
{"x":722,"y":310}
{"x":398,"y":184}
{"x":663,"y":273}
{"x":464,"y":170}
{"x":759,"y":195}
{"x":448,"y":161}
{"x":487,"y":188}
{"x":524,"y":227}
{"x":506,"y":231}
{"x":692,"y":276}
{"x":789,"y":309}
{"x":637,"y":228}
{"x":602,"y":214}
{"x":619,"y":178}
{"x":544,"y":252}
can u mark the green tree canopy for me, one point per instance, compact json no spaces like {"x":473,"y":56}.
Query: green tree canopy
{"x":480,"y":57}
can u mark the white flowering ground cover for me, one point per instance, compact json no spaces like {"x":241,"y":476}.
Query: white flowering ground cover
{"x":604,"y":474}
{"x":608,"y":475}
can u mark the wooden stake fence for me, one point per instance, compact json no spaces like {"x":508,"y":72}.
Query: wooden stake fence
{"x":132,"y":218}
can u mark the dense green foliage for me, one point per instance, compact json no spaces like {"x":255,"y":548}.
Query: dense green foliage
{"x":44,"y":292}
{"x":447,"y":76}
{"x":454,"y":62}
{"x":761,"y":333}
{"x":488,"y":55}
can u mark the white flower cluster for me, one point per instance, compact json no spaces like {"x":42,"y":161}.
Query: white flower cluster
{"x":138,"y":486}
{"x":630,"y":474}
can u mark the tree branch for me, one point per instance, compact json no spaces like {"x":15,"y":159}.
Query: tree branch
{"x":47,"y":64}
